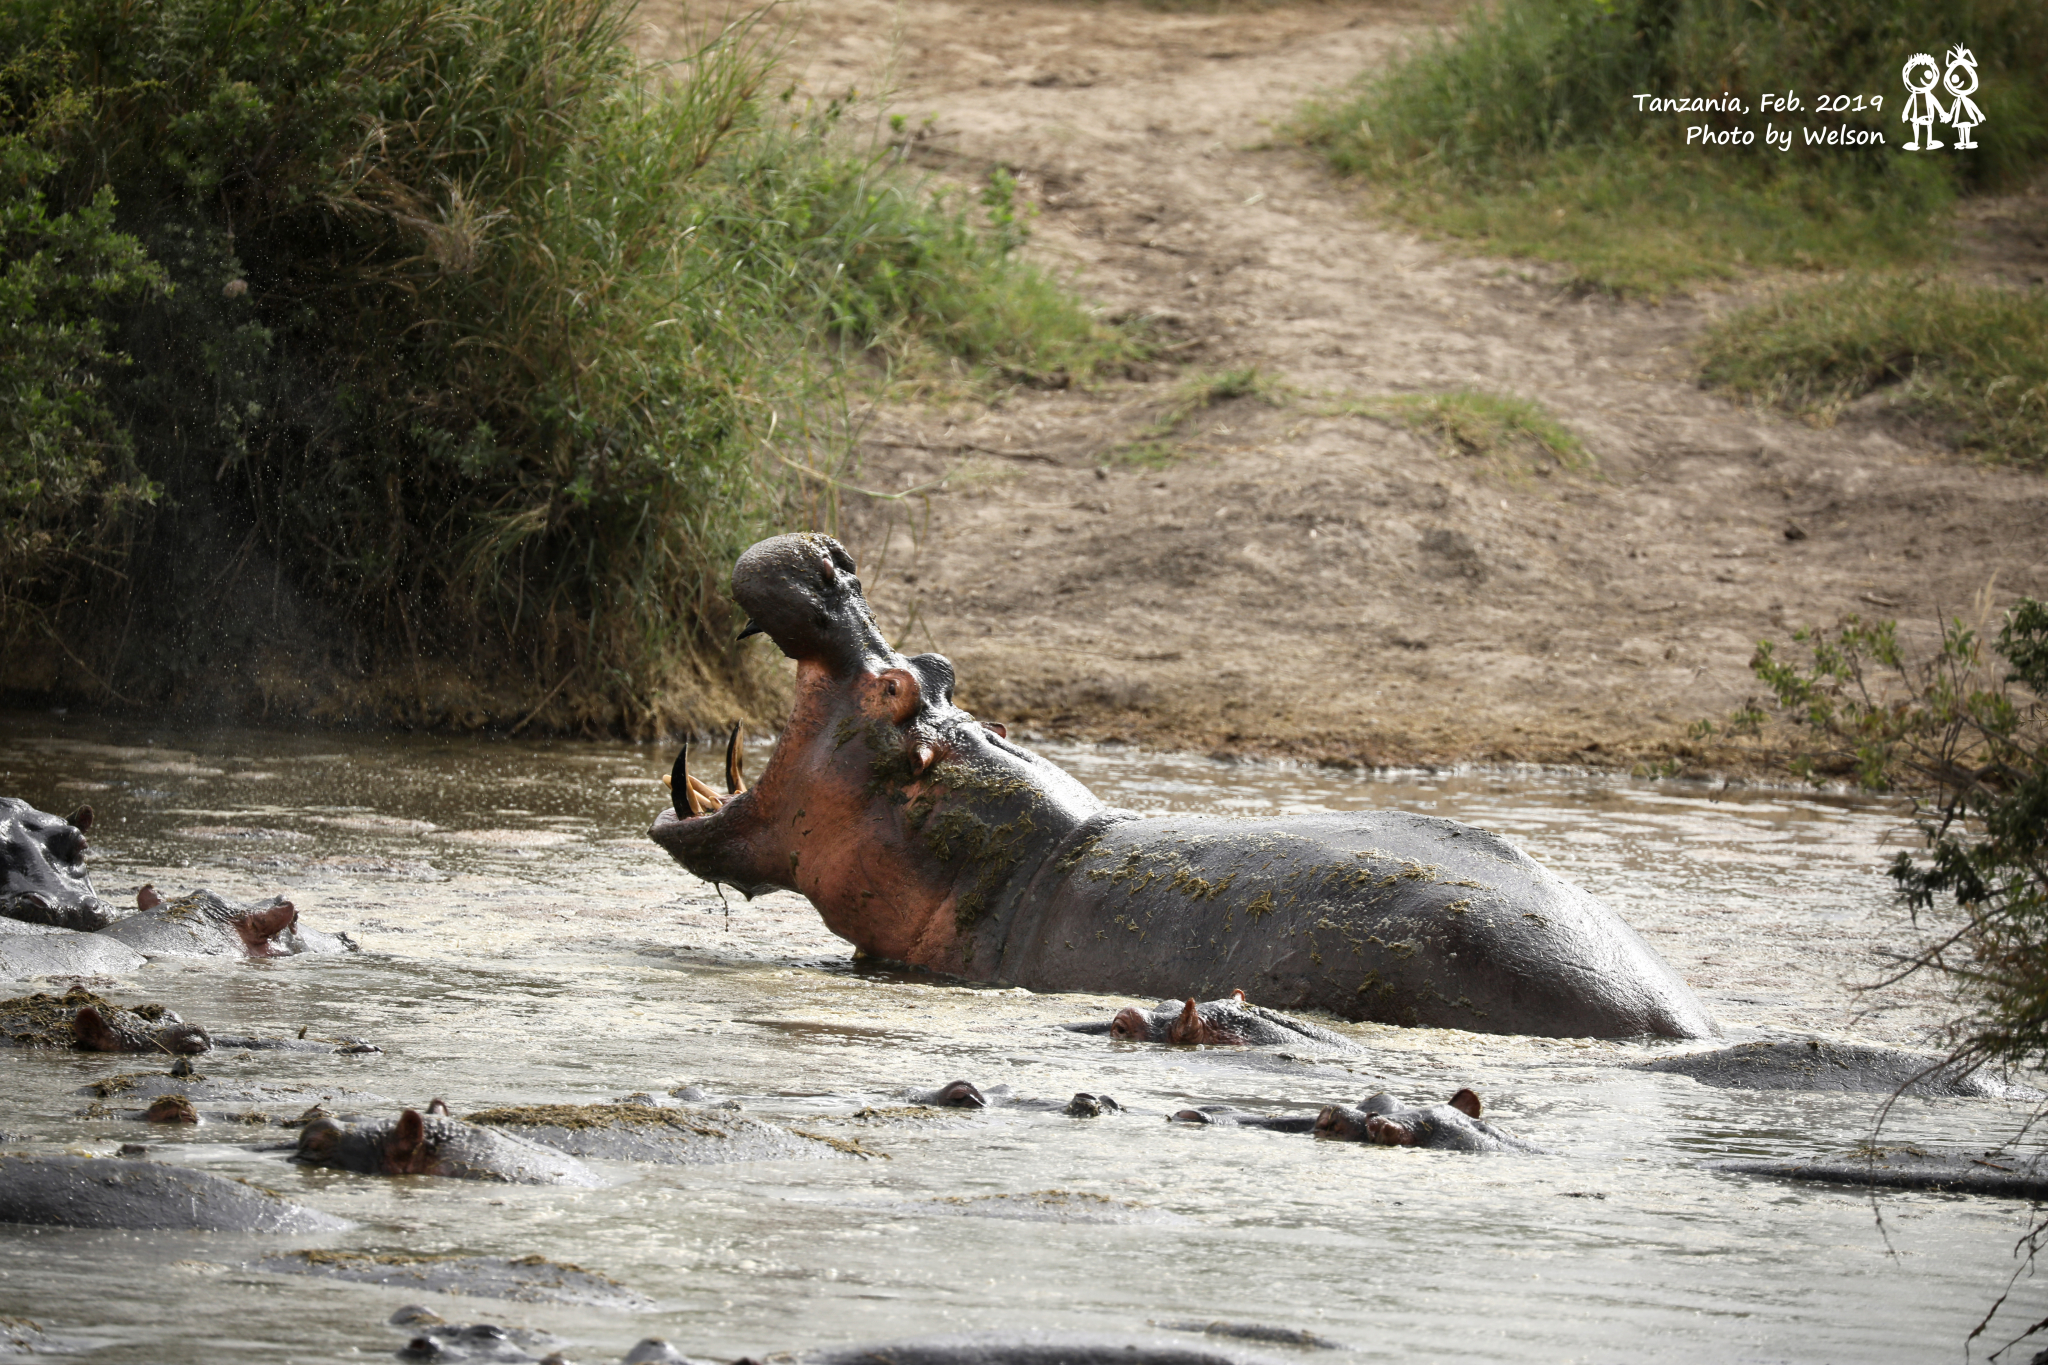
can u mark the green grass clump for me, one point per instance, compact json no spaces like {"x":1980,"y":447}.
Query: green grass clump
{"x":1514,"y":437}
{"x":450,"y":342}
{"x":1972,"y":356}
{"x":1157,"y":445}
{"x":1521,"y":132}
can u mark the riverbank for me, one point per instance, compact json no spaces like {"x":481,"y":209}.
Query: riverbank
{"x":1296,"y":571}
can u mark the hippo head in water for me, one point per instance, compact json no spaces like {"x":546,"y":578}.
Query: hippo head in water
{"x":899,"y":815}
{"x":42,"y":868}
{"x":926,"y":836}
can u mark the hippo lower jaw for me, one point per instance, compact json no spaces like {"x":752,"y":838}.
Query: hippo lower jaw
{"x":700,"y":844}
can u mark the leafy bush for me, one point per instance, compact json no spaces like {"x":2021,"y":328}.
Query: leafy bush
{"x":474,"y":334}
{"x":1973,"y":356}
{"x":1522,"y":130}
{"x":1970,"y":739}
{"x":67,"y":472}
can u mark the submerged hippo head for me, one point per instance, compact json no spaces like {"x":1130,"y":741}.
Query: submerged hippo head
{"x":1385,"y":1122}
{"x":42,"y":868}
{"x":1216,"y":1023}
{"x":899,"y":815}
{"x":404,"y":1147}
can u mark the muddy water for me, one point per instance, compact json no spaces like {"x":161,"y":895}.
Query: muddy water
{"x":524,"y":943}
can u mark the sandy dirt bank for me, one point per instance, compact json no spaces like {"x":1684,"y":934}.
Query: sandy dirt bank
{"x":1307,"y":581}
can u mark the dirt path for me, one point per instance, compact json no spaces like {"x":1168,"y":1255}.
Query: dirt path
{"x":1333,"y":586}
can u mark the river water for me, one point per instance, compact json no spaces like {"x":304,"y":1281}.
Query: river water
{"x":524,"y":943}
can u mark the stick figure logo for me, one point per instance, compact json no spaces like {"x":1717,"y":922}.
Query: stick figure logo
{"x":1924,"y":108}
{"x":1961,"y":81}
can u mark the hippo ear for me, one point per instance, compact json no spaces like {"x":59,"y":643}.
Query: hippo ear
{"x":902,"y":694}
{"x":405,"y":1139}
{"x":80,"y":819}
{"x":92,"y":1031}
{"x":1466,"y":1102}
{"x":146,"y":897}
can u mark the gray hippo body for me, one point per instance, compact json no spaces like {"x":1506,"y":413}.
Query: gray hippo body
{"x":110,"y":1192}
{"x":925,"y":836}
{"x":1226,"y":1116}
{"x":1373,"y":915}
{"x":30,"y":950}
{"x":522,"y":1279}
{"x":653,"y":1133}
{"x":1835,"y":1067}
{"x":435,"y":1144}
{"x":1915,"y":1168}
{"x":43,"y":878}
{"x":1029,"y":1348}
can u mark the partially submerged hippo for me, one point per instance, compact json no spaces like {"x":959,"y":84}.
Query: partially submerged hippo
{"x":201,"y":924}
{"x":111,"y":1192}
{"x":435,"y":1144}
{"x":1835,"y":1067}
{"x":526,"y":1279}
{"x":967,"y":1095}
{"x":1232,"y":1022}
{"x":1385,"y":1122}
{"x":42,"y":868}
{"x":1992,"y":1172}
{"x":924,"y":836}
{"x":1228,"y":1116}
{"x":89,"y":1023}
{"x":657,"y":1133}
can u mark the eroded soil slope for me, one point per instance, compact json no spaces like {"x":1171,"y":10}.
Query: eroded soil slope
{"x":1301,"y":580}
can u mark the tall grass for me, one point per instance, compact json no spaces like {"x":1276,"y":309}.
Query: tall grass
{"x":1521,"y":130}
{"x":1973,"y":357}
{"x":477,"y":332}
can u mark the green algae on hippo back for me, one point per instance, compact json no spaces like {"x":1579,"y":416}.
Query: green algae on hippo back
{"x":85,"y":1022}
{"x":925,"y":836}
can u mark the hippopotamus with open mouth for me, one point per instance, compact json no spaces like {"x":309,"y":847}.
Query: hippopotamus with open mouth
{"x":925,"y":836}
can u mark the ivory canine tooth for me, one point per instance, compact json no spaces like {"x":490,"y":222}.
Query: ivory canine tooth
{"x":735,"y":777}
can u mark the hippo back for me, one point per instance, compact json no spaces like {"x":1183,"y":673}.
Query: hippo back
{"x":1375,"y":915}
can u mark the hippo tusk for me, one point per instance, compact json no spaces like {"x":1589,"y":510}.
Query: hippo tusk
{"x":703,"y":800}
{"x":735,"y":779}
{"x":677,"y":780}
{"x":750,"y":629}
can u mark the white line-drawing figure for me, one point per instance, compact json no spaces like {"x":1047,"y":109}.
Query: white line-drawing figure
{"x":1922,"y":109}
{"x":1962,"y":83}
